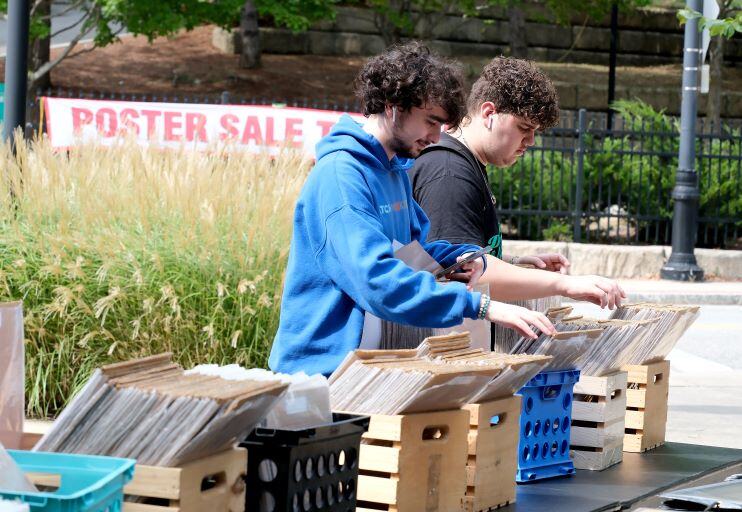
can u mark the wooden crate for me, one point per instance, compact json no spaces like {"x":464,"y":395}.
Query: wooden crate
{"x":646,"y":406}
{"x":494,"y":428}
{"x":179,"y":489}
{"x":414,"y":462}
{"x":598,"y":415}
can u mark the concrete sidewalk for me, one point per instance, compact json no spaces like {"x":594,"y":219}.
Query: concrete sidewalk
{"x":678,"y":292}
{"x":705,"y":402}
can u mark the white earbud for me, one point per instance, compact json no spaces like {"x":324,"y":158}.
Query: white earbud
{"x":394,"y":115}
{"x":489,"y":123}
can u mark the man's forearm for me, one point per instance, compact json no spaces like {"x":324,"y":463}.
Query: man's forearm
{"x":509,"y":282}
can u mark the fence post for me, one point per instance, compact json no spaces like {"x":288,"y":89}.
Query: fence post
{"x":580,"y":154}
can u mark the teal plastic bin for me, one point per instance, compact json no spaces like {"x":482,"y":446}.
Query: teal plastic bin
{"x":89,"y":483}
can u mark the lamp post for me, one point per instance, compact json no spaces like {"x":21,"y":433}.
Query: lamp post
{"x":612,"y":64}
{"x":16,"y":67}
{"x":682,"y":266}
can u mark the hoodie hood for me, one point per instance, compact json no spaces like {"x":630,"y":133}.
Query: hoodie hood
{"x":349,"y":136}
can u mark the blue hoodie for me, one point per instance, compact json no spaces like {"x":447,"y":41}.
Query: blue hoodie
{"x":354,"y":204}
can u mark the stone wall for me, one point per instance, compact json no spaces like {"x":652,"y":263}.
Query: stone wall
{"x":629,"y":262}
{"x":646,"y":37}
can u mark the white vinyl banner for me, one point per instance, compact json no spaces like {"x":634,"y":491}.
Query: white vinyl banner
{"x":199,"y":126}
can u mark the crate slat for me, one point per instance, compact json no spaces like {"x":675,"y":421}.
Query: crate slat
{"x":602,"y":436}
{"x":377,"y":489}
{"x":599,"y":460}
{"x":140,"y":507}
{"x":155,"y":482}
{"x":380,"y":458}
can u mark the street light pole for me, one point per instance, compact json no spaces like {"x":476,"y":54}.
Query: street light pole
{"x":16,"y":67}
{"x":682,"y":266}
{"x":612,"y":64}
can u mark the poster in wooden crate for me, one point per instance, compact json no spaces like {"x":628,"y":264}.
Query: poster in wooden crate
{"x":646,"y":406}
{"x":493,"y":454}
{"x":414,"y":462}
{"x":211,"y":484}
{"x":598,"y":414}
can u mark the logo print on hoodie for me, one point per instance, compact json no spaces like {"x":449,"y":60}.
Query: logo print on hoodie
{"x":386,"y":209}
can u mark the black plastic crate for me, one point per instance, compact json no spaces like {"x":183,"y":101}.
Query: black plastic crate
{"x":313,"y":469}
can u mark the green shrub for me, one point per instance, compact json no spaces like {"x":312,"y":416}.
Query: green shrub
{"x":558,"y":232}
{"x":635,"y":169}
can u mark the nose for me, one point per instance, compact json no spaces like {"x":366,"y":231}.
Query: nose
{"x":435,"y":136}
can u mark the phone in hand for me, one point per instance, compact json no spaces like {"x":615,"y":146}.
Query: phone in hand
{"x":456,"y":266}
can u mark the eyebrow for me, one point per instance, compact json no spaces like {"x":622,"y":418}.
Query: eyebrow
{"x":437,"y":119}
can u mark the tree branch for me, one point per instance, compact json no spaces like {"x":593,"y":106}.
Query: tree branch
{"x":90,"y":49}
{"x":576,"y":40}
{"x":49,"y":16}
{"x":47,"y":67}
{"x":60,"y":31}
{"x":35,"y":6}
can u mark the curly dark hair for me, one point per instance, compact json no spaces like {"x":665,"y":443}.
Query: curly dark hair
{"x":517,"y":87}
{"x":410,"y":75}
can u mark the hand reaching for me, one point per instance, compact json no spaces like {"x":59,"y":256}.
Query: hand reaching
{"x":598,"y":290}
{"x":520,"y":319}
{"x":552,"y":262}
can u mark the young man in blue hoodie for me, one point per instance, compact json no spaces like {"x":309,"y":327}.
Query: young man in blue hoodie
{"x":357,"y":205}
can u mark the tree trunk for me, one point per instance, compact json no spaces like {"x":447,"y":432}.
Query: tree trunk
{"x":39,"y":53}
{"x":517,"y":29}
{"x":390,"y":31}
{"x":250,"y":55}
{"x":713,"y":102}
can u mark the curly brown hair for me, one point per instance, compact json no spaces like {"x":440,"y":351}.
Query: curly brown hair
{"x":517,"y":87}
{"x":410,"y":75}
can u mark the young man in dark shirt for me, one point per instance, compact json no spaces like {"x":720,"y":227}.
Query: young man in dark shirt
{"x":509,"y":102}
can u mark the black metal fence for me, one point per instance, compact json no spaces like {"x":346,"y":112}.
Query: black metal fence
{"x":583,"y":180}
{"x":587,"y":183}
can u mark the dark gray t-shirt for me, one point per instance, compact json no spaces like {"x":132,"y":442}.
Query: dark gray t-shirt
{"x":451,"y":186}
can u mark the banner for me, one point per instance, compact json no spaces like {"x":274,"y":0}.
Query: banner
{"x":253,"y":128}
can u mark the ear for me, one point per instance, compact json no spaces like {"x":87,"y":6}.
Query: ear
{"x":487,"y":109}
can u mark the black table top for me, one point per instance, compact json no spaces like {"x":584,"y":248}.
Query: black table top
{"x":638,"y":476}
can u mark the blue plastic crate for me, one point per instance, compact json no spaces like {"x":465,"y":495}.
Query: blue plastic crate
{"x":545,"y":420}
{"x":88,"y":483}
